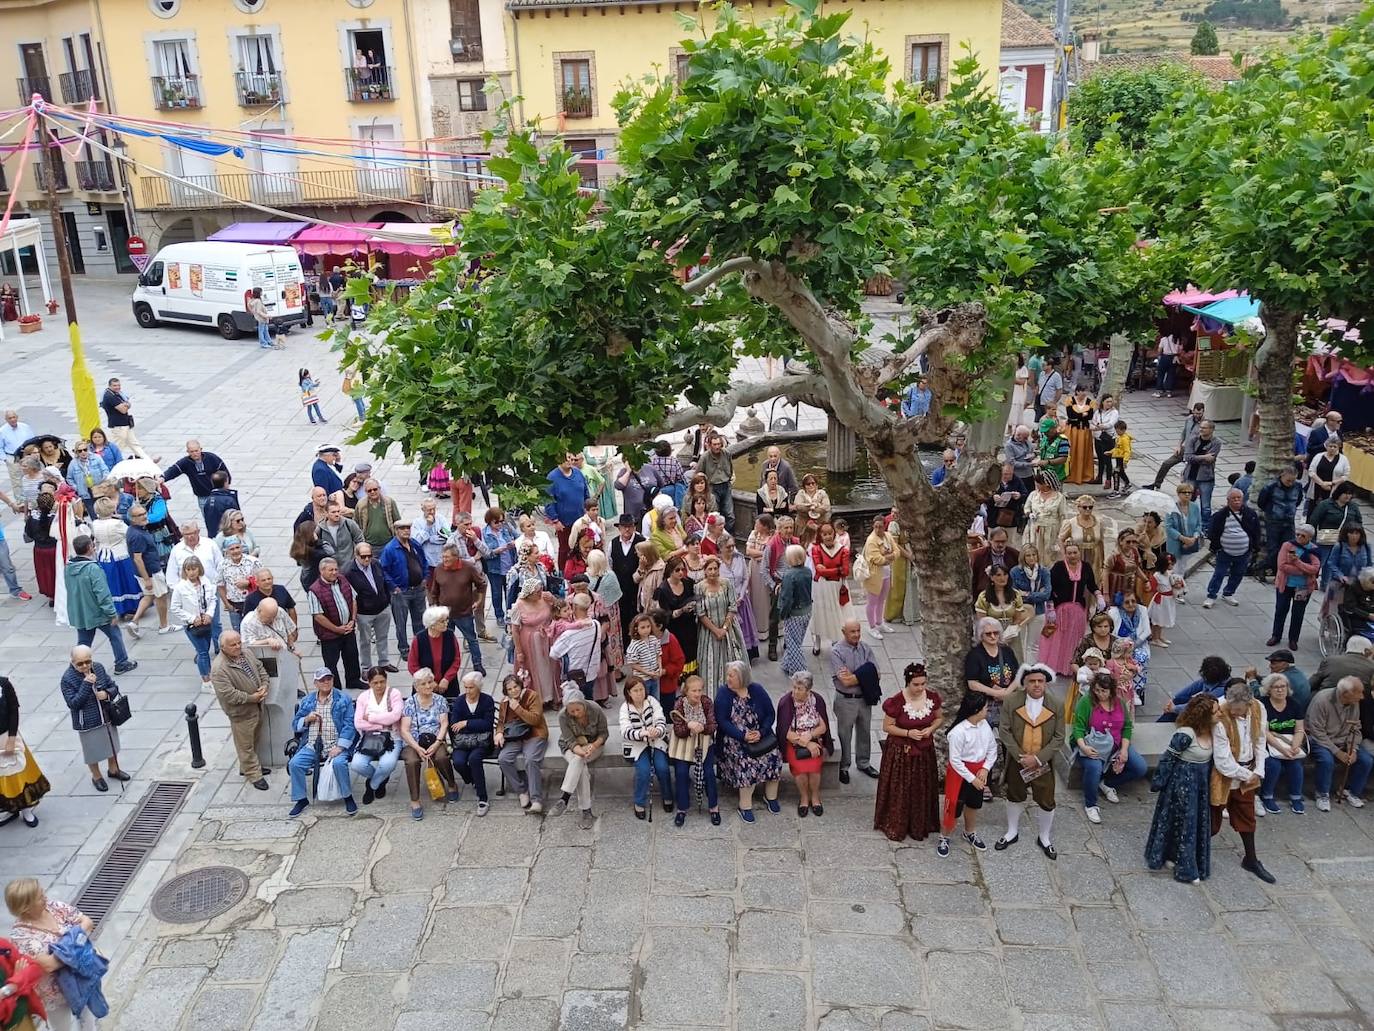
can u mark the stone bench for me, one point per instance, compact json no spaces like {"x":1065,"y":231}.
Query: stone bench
{"x":1150,"y":739}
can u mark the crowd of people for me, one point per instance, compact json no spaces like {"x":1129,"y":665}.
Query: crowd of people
{"x":649,"y":611}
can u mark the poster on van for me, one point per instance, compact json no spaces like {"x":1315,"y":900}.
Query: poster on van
{"x":293,"y":295}
{"x":173,"y":276}
{"x":197,"y":277}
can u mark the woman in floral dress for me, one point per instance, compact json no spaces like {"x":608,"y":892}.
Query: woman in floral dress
{"x":745,"y":716}
{"x":721,"y":640}
{"x":908,"y":800}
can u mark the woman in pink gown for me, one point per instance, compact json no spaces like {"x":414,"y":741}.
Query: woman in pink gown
{"x":529,"y":616}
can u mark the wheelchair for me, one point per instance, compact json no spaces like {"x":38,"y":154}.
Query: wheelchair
{"x":1334,"y":626}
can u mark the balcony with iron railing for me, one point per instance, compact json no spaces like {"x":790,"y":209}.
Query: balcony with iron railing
{"x":369,"y":85}
{"x":258,"y":89}
{"x":95,"y":176}
{"x":55,"y":168}
{"x":31,"y":84}
{"x":171,"y":92}
{"x":79,"y":87}
{"x":335,"y":187}
{"x":577,"y":102}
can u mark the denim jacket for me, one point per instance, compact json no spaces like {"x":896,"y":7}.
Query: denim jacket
{"x":340,"y":707}
{"x":494,"y":537}
{"x":1035,"y":593}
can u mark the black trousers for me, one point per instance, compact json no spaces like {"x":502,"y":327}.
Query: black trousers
{"x":345,"y":647}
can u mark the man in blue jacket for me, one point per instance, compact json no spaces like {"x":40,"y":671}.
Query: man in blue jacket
{"x":325,"y":472}
{"x":199,"y":466}
{"x":324,"y":726}
{"x":568,"y":489}
{"x":406,"y":570}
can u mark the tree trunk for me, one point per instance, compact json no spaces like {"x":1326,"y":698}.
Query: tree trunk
{"x":935,"y":522}
{"x":1274,"y":374}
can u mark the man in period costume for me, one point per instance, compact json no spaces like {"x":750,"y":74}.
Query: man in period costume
{"x":1032,"y":733}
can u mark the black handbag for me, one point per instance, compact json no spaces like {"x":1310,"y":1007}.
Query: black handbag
{"x":801,"y":752}
{"x":516,"y":730}
{"x":117,"y":711}
{"x":764,"y":745}
{"x":375,"y":743}
{"x":465,"y":742}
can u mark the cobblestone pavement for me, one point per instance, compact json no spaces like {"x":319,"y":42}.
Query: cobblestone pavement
{"x":511,"y":921}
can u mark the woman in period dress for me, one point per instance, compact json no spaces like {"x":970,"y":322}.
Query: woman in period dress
{"x":38,"y":528}
{"x":22,"y":783}
{"x":648,"y":576}
{"x":745,"y":717}
{"x":607,"y":595}
{"x":112,"y":555}
{"x":1004,"y":603}
{"x":600,"y":482}
{"x":771,"y":499}
{"x":1089,"y":532}
{"x":1180,"y":833}
{"x":721,"y":640}
{"x":1073,"y":591}
{"x":1046,"y":510}
{"x":696,"y":518}
{"x":908,"y":800}
{"x":1130,"y":569}
{"x":903,"y":582}
{"x":1082,"y":454}
{"x":1016,"y":413}
{"x":735,"y":569}
{"x":530,"y":614}
{"x":830,"y":608}
{"x":760,"y":597}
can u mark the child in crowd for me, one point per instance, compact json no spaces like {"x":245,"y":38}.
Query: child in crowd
{"x":644,"y":655}
{"x":1093,"y":663}
{"x":1165,"y":587}
{"x":310,"y":396}
{"x":1121,"y":455}
{"x":1243,"y":481}
{"x":1123,"y":667}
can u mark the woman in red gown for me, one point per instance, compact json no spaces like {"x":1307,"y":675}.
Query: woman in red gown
{"x":908,"y":801}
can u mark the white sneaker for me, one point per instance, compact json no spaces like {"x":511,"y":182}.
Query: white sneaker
{"x":1094,"y":814}
{"x":524,"y":800}
{"x":535,"y":807}
{"x":1354,"y":801}
{"x":1259,"y":807}
{"x":1323,"y":803}
{"x":1110,"y":794}
{"x":875,"y":633}
{"x":1230,"y":601}
{"x":1209,"y":603}
{"x":888,"y":628}
{"x":163,"y":631}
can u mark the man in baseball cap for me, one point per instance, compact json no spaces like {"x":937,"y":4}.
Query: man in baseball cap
{"x":324,"y":727}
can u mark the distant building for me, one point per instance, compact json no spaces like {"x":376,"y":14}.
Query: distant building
{"x":1219,"y":69}
{"x":1026,"y":67}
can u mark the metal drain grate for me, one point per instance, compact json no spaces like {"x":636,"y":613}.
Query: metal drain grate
{"x":200,"y":895}
{"x":131,"y":847}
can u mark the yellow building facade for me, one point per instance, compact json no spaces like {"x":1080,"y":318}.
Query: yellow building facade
{"x":568,"y":57}
{"x":330,"y":69}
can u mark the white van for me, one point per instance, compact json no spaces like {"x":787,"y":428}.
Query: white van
{"x":207,"y":284}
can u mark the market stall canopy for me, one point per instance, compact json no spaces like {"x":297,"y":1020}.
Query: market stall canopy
{"x":259,"y":232}
{"x":345,"y":238}
{"x":1191,"y":295}
{"x":1229,"y":311}
{"x":427,"y":239}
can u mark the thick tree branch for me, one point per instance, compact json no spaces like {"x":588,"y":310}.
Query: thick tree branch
{"x":806,"y":389}
{"x":829,"y":339}
{"x":896,"y":367}
{"x":712,"y":275}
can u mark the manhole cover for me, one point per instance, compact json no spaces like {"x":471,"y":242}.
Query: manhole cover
{"x":199,"y":895}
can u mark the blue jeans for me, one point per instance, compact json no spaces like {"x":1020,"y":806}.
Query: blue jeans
{"x":655,"y":760}
{"x":315,"y":413}
{"x":1328,"y":570}
{"x":377,"y":771}
{"x":7,"y":568}
{"x":1164,"y":373}
{"x":110,"y":630}
{"x":651,"y":686}
{"x":497,"y":590}
{"x":468,"y":764}
{"x":1230,"y":568}
{"x":264,"y":334}
{"x":304,"y":763}
{"x":1274,"y":769}
{"x":1325,"y":762}
{"x":362,"y":408}
{"x":1094,"y":769}
{"x":1283,"y":601}
{"x":204,"y":646}
{"x":1276,"y":533}
{"x":682,"y":776}
{"x":467,"y":626}
{"x":725,"y":504}
{"x":1204,"y":500}
{"x":411,"y":600}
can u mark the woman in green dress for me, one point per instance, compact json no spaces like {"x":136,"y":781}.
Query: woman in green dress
{"x":896,"y":608}
{"x":596,"y":471}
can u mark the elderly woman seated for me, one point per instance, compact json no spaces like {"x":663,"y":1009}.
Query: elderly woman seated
{"x":325,"y":736}
{"x":1285,"y":735}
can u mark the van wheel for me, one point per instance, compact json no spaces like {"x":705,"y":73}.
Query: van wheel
{"x":227,"y":329}
{"x":144,"y":315}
